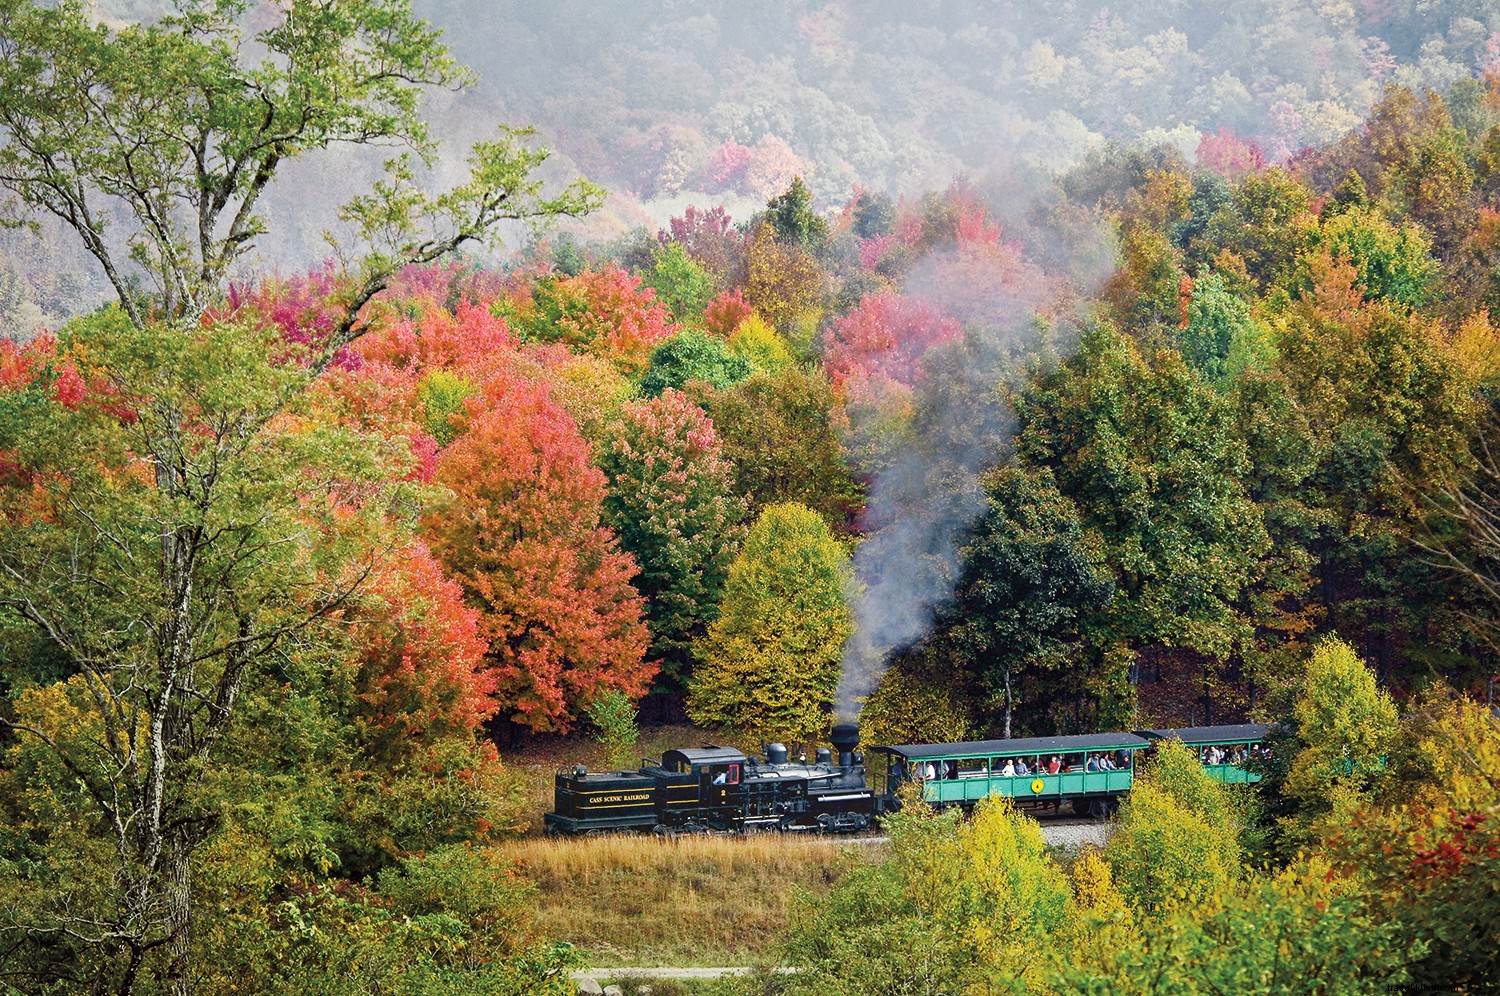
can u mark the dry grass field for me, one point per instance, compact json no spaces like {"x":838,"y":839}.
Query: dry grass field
{"x":642,"y":900}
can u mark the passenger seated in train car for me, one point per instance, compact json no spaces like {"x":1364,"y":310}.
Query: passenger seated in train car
{"x":1054,"y":765}
{"x":1021,"y":768}
{"x":952,"y":767}
{"x":929,"y":772}
{"x":1009,"y":771}
{"x":1092,"y":764}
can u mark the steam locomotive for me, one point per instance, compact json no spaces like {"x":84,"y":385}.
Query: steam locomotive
{"x":698,"y":790}
{"x":695,"y":790}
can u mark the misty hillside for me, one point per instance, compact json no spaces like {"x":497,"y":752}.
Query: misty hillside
{"x":714,"y":97}
{"x":670,"y":104}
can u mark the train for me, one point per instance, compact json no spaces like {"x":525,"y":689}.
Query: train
{"x":715,"y":789}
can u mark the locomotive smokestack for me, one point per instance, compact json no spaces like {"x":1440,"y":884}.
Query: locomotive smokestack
{"x":845,"y":738}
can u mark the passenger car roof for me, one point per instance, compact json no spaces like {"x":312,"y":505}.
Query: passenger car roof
{"x":1243,"y":733}
{"x":1023,"y":747}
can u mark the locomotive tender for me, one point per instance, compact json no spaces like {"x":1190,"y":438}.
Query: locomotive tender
{"x":721,"y":789}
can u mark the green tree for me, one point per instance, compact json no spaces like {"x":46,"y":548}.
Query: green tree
{"x":792,"y":216}
{"x":1029,"y":581}
{"x":183,"y":540}
{"x":172,"y":126}
{"x":769,"y":664}
{"x":1148,"y":455}
{"x":613,"y":716}
{"x":683,"y":285}
{"x":1392,"y":262}
{"x":1222,"y":336}
{"x":691,"y":355}
{"x":778,"y":432}
{"x":671,"y":504}
{"x":1267,"y":224}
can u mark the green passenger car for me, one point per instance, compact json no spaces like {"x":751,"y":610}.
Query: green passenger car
{"x":1089,"y":772}
{"x":1224,"y":750}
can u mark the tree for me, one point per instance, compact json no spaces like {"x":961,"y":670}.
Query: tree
{"x":1222,"y":337}
{"x":778,"y":433}
{"x":607,"y":313}
{"x":768,"y":668}
{"x":785,"y":284}
{"x":423,"y":672}
{"x":1147,"y":454}
{"x":171,"y":126}
{"x":961,"y":905}
{"x":1393,"y":263}
{"x":1346,"y":726}
{"x":1177,"y":844}
{"x":173,"y":533}
{"x":791,"y":215}
{"x":521,"y":531}
{"x":1030,"y":580}
{"x":886,"y":335}
{"x":692,"y":355}
{"x":1428,"y":851}
{"x":680,"y":283}
{"x":671,"y":505}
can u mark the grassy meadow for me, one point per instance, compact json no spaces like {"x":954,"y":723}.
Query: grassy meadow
{"x":641,"y":900}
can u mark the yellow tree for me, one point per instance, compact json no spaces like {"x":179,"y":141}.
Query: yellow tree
{"x":769,"y":665}
{"x":1346,"y":726}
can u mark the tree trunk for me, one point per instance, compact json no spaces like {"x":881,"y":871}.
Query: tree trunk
{"x":1008,"y":704}
{"x":178,"y":874}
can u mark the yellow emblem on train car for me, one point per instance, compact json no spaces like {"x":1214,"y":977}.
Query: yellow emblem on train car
{"x":1037,"y":785}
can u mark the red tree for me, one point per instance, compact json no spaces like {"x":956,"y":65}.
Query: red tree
{"x":423,"y":672}
{"x":887,"y":335}
{"x":522,"y":534}
{"x":605,"y":312}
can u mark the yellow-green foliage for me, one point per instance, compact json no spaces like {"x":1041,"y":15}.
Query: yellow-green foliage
{"x":1177,"y":843}
{"x":912,"y":705}
{"x":1347,"y":726}
{"x":442,"y":394}
{"x":1094,"y":889}
{"x":769,"y":665}
{"x":757,"y":342}
{"x":1297,"y":932}
{"x":962,"y":905}
{"x":1007,"y":900}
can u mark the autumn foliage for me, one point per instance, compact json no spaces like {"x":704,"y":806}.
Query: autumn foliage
{"x":521,"y":532}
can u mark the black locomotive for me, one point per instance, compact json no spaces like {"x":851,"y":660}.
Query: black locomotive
{"x":721,"y":789}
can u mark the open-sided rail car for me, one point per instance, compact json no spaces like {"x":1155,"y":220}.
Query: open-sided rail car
{"x":1092,"y":771}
